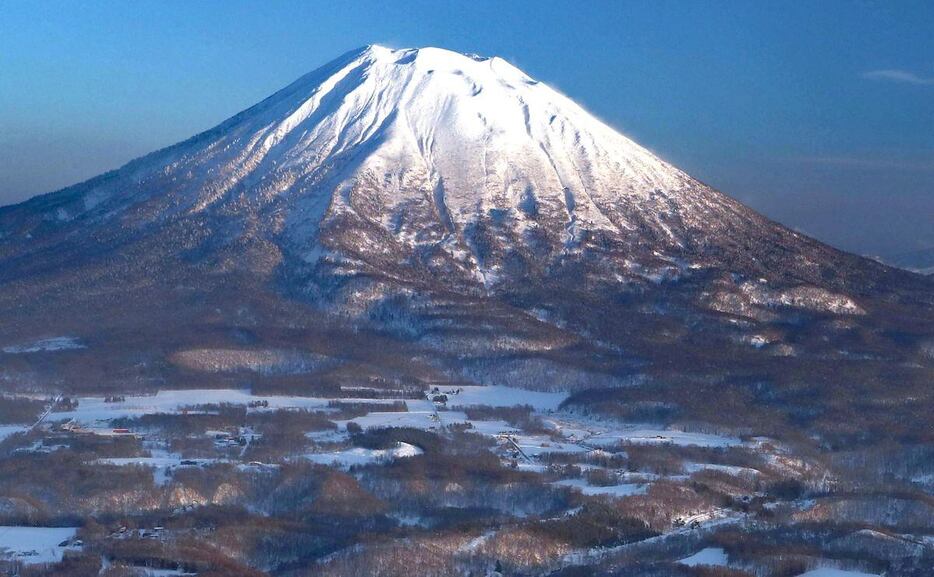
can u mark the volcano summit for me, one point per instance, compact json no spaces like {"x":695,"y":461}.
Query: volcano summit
{"x":423,"y":216}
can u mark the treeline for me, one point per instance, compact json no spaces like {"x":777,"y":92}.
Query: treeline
{"x":20,"y":410}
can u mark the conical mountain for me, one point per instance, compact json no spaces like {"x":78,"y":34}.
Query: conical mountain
{"x":421,"y":215}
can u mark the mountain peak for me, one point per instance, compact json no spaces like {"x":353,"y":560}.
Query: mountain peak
{"x":425,"y":147}
{"x":477,"y":134}
{"x":380,"y":51}
{"x":442,"y":198}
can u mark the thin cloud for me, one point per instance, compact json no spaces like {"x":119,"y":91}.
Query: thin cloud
{"x":902,"y":76}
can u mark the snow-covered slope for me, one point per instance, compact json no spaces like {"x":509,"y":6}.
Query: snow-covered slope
{"x":425,"y":143}
{"x":477,"y":127}
{"x":443,"y":198}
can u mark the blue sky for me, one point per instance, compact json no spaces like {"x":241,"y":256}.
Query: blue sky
{"x":819,"y":114}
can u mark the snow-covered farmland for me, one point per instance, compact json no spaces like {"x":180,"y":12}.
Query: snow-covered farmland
{"x":710,"y":556}
{"x":622,"y":490}
{"x":7,"y":430}
{"x":36,"y":544}
{"x":558,"y":461}
{"x":569,"y":433}
{"x":93,"y":410}
{"x":359,"y":456}
{"x":416,"y":419}
{"x":161,"y":463}
{"x":657,"y":436}
{"x":535,"y":445}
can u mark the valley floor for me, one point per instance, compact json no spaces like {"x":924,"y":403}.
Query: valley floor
{"x":447,"y":481}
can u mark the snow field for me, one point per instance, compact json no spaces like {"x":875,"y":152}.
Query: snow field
{"x":710,"y":556}
{"x":359,"y":456}
{"x":33,"y":545}
{"x":571,"y":434}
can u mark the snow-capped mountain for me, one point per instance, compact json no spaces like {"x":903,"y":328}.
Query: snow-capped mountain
{"x":440,"y":216}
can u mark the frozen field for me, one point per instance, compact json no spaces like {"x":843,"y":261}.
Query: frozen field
{"x":565,"y":432}
{"x":600,"y":433}
{"x":657,"y":436}
{"x":416,"y":419}
{"x":7,"y":430}
{"x":359,"y":456}
{"x":162,"y":464}
{"x":711,"y":556}
{"x":623,"y":490}
{"x":34,"y":544}
{"x":94,"y":410}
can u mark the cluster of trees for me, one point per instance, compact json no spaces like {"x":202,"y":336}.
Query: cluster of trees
{"x":520,"y":416}
{"x":20,"y":410}
{"x":385,"y":438}
{"x":596,"y":524}
{"x":63,"y":486}
{"x":351,"y":410}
